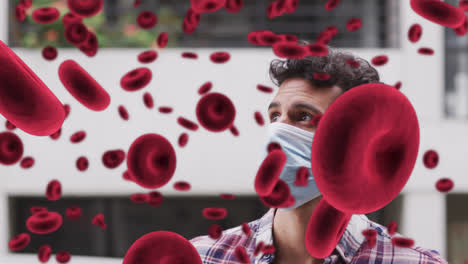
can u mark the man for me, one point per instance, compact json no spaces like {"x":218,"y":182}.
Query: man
{"x":299,"y":99}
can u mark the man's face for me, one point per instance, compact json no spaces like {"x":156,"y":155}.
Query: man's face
{"x":297,"y":102}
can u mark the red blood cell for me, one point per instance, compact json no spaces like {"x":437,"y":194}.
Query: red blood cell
{"x":90,"y":46}
{"x":462,"y":29}
{"x":37,"y":209}
{"x":139,"y":197}
{"x":45,"y":15}
{"x":67,"y":109}
{"x":463,"y":4}
{"x":241,"y":254}
{"x":402,"y":242}
{"x":227,"y":196}
{"x":56,"y":135}
{"x":70,"y":18}
{"x":162,"y":39}
{"x":438,"y":12}
{"x":246,"y":229}
{"x":76,"y":33}
{"x":353,"y":24}
{"x":99,"y":221}
{"x":379,"y":60}
{"x":126,"y":176}
{"x":27,"y":162}
{"x":189,"y":55}
{"x":331,"y":4}
{"x":62,"y":256}
{"x":73,"y":212}
{"x":206,"y":6}
{"x":206,"y":87}
{"x":425,"y":51}
{"x":49,"y":53}
{"x":155,"y":198}
{"x":317,"y":49}
{"x":77,"y":137}
{"x":19,"y":242}
{"x":113,"y":158}
{"x":82,"y":163}
{"x":82,"y":86}
{"x":316,"y":119}
{"x":289,"y":38}
{"x":9,"y":125}
{"x":214,"y":213}
{"x":172,"y":248}
{"x":267,"y":38}
{"x":165,"y":109}
{"x":123,"y":112}
{"x":430,"y":159}
{"x":415,"y":33}
{"x":258,"y":248}
{"x":11,"y":148}
{"x":291,"y":6}
{"x":20,"y":12}
{"x":234,"y":6}
{"x":269,"y":172}
{"x":44,"y":222}
{"x":215,"y":112}
{"x":397,"y":85}
{"x":147,"y":56}
{"x":136,"y":79}
{"x":220,"y":57}
{"x":44,"y":253}
{"x":183,"y":139}
{"x":259,"y":118}
{"x":147,"y":19}
{"x":392,"y":227}
{"x":182,"y":186}
{"x":148,"y":100}
{"x":321,"y":76}
{"x":302,"y":175}
{"x":353,"y":63}
{"x":371,"y":237}
{"x":290,"y":50}
{"x":21,"y":92}
{"x":85,"y":8}
{"x":215,"y":231}
{"x":192,"y":17}
{"x":326,"y":35}
{"x":444,"y":185}
{"x":252,"y":37}
{"x":272,"y":146}
{"x":278,"y":198}
{"x":234,"y":130}
{"x":26,"y":3}
{"x":272,"y":10}
{"x":268,"y":249}
{"x":54,"y":190}
{"x":264,"y":88}
{"x":151,"y":161}
{"x":188,"y":28}
{"x":136,"y":3}
{"x":184,"y":122}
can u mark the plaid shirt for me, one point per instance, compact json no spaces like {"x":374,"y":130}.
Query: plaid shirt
{"x":352,"y":247}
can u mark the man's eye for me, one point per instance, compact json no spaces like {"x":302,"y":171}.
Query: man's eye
{"x":273,"y":116}
{"x":305,"y":116}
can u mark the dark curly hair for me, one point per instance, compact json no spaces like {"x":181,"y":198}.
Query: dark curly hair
{"x":334,"y":63}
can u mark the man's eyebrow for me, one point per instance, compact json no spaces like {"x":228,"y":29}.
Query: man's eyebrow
{"x":307,"y":106}
{"x":273,"y":104}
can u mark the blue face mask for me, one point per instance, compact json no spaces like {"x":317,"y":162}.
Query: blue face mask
{"x":296,"y":143}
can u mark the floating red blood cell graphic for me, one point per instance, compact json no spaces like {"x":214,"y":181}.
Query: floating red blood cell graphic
{"x":259,"y":118}
{"x":139,"y":197}
{"x":227,"y":196}
{"x":317,"y":49}
{"x":126,"y":175}
{"x":234,"y":6}
{"x":70,"y":18}
{"x":415,"y":33}
{"x":316,"y":119}
{"x":45,"y":15}
{"x":162,"y":39}
{"x":289,"y":37}
{"x":85,"y":8}
{"x":331,"y":4}
{"x":258,"y":248}
{"x":90,"y":46}
{"x":22,"y":92}
{"x":77,"y":137}
{"x":326,"y":35}
{"x":11,"y":148}
{"x":215,"y":112}
{"x":73,"y":212}
{"x":462,"y":29}
{"x":82,"y":163}
{"x":379,"y":60}
{"x":206,"y":87}
{"x":62,"y":256}
{"x":272,"y":10}
{"x":136,"y":79}
{"x":20,"y":12}
{"x":54,"y":190}
{"x":189,"y":55}
{"x":148,"y":100}
{"x":264,"y":88}
{"x":151,"y":161}
{"x":269,"y":172}
{"x":291,"y":6}
{"x":56,"y":135}
{"x":425,"y":51}
{"x":190,"y":125}
{"x":113,"y":158}
{"x":76,"y":33}
{"x":49,"y":53}
{"x":392,"y":227}
{"x":371,"y":237}
{"x":165,"y":109}
{"x":438,"y":12}
{"x":147,"y":56}
{"x":82,"y":86}
{"x":272,"y":146}
{"x":430,"y":159}
{"x":155,"y":198}
{"x":67,"y":109}
{"x":172,"y":248}
{"x":214,"y":213}
{"x":302,"y":175}
{"x":44,"y":222}
{"x":147,"y":19}
{"x":290,"y":50}
{"x":44,"y":253}
{"x":19,"y":242}
{"x":183,"y":139}
{"x":402,"y":242}
{"x":353,"y":63}
{"x":220,"y":57}
{"x":27,"y":162}
{"x":246,"y":229}
{"x":267,"y":38}
{"x":397,"y":85}
{"x":321,"y":76}
{"x":278,"y":198}
{"x":26,"y":3}
{"x":241,"y":254}
{"x":99,"y":221}
{"x":123,"y":113}
{"x":188,"y":28}
{"x":9,"y":125}
{"x":444,"y":185}
{"x":206,"y":6}
{"x":182,"y":186}
{"x":215,"y":231}
{"x":268,"y":249}
{"x":234,"y":131}
{"x":353,"y":24}
{"x":252,"y":37}
{"x":37,"y":209}
{"x":463,"y":4}
{"x":136,"y":3}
